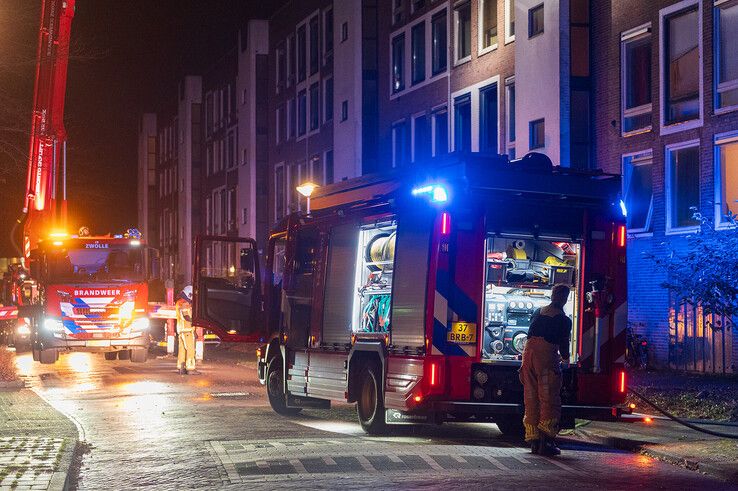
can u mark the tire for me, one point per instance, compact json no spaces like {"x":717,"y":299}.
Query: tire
{"x":275,"y":388}
{"x":48,"y":356}
{"x":124,"y":354}
{"x":370,"y":402}
{"x":139,"y":355}
{"x":511,"y":426}
{"x":111,"y":355}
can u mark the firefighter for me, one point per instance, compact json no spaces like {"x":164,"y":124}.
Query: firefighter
{"x":546,"y":348}
{"x":185,"y":331}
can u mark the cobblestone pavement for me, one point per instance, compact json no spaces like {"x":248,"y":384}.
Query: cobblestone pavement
{"x":148,"y":426}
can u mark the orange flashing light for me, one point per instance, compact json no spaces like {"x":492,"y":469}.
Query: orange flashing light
{"x":258,"y":352}
{"x":353,"y":339}
{"x":632,"y":406}
{"x":622,"y":381}
{"x":418,"y":398}
{"x":621,"y":236}
{"x":648,"y":420}
{"x":445,"y":223}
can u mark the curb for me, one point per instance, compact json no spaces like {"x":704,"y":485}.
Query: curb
{"x":647,"y":448}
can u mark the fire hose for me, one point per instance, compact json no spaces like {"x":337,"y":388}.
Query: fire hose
{"x":679,"y":420}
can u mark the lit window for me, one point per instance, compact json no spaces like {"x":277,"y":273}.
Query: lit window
{"x":509,"y":21}
{"x":417,"y":49}
{"x":462,"y":123}
{"x":439,"y":39}
{"x":636,"y":80}
{"x":398,"y":63}
{"x":638,"y":191}
{"x":727,"y":176}
{"x":487,"y":24}
{"x":488,"y":128}
{"x":681,"y":76}
{"x":537,"y":134}
{"x":535,"y":21}
{"x":683,"y":185}
{"x":726,"y":59}
{"x":462,"y":15}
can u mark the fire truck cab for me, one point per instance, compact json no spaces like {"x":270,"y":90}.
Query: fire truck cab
{"x":411,"y":293}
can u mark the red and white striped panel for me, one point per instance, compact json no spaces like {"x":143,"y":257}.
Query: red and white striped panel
{"x":8,"y":313}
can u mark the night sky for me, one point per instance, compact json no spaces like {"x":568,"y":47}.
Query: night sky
{"x":126,"y":59}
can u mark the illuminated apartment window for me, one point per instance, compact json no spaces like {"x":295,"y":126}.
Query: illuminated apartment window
{"x":462,"y":33}
{"x":635,"y":53}
{"x":509,"y":21}
{"x":726,"y":176}
{"x":487,"y":24}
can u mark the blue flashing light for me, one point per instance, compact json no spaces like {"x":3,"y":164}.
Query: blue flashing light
{"x":436,"y":192}
{"x":118,"y":236}
{"x":623,"y":208}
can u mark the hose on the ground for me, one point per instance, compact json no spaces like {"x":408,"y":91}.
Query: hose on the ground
{"x":679,"y":420}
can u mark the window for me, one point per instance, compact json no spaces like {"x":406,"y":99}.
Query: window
{"x":344,"y":31}
{"x":726,"y":55}
{"x":683,"y":185}
{"x":232,"y":207}
{"x":344,"y":110}
{"x":488,"y":118}
{"x":232,"y":150}
{"x":535,"y":21}
{"x":301,"y":53}
{"x":314,"y":106}
{"x":726,"y":172}
{"x":400,"y":144}
{"x":281,"y":65}
{"x":301,"y":113}
{"x":681,"y":72}
{"x":462,"y":123}
{"x":279,"y":188}
{"x":462,"y":15}
{"x":636,"y":80}
{"x":417,"y":5}
{"x":440,"y":132}
{"x":328,"y":99}
{"x":316,"y":171}
{"x":328,"y":30}
{"x":421,"y":138}
{"x":487,"y":24}
{"x":398,"y":11}
{"x":291,"y":53}
{"x":244,"y":156}
{"x":509,"y":21}
{"x":244,"y":216}
{"x":439,"y":40}
{"x":314,"y":45}
{"x":278,"y":125}
{"x":537,"y":134}
{"x":398,"y":63}
{"x":291,"y":118}
{"x":329,"y":167}
{"x":638,"y":190}
{"x":417,"y":50}
{"x":510,"y":119}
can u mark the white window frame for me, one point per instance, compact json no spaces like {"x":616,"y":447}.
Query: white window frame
{"x":407,"y":66}
{"x":460,"y":61}
{"x":480,"y":31}
{"x":667,"y":187}
{"x":509,"y":7}
{"x":725,"y":86}
{"x":694,"y":123}
{"x":721,"y":139}
{"x":631,"y":35}
{"x":476,"y":126}
{"x":442,"y":109}
{"x":325,"y":38}
{"x":642,"y":154}
{"x":509,"y":144}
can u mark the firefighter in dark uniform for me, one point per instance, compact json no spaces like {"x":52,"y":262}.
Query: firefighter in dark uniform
{"x":546,"y":348}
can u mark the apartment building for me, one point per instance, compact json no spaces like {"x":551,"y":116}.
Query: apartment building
{"x":147,"y":179}
{"x":667,"y":98}
{"x":449,"y":80}
{"x":322,"y":101}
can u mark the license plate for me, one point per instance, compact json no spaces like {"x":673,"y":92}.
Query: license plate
{"x":462,"y":333}
{"x":98,"y":343}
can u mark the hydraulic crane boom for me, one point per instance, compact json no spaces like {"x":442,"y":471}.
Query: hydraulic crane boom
{"x":45,"y":201}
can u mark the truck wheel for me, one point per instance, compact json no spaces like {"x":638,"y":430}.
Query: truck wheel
{"x":124,"y":354}
{"x":511,"y":426}
{"x":370,"y":403}
{"x":48,"y":356}
{"x":275,"y":388}
{"x":111,"y":355}
{"x":139,"y":355}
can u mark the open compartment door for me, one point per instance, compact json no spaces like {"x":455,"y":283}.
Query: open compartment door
{"x":227,"y":288}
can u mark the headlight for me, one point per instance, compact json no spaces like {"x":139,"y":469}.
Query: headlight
{"x":126,"y":310}
{"x":513,"y":305}
{"x":140,"y":324}
{"x":53,"y":325}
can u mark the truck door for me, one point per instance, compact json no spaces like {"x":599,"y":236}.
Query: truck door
{"x":227,"y":288}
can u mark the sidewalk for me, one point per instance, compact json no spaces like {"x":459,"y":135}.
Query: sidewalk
{"x":672,"y":442}
{"x":37,"y":443}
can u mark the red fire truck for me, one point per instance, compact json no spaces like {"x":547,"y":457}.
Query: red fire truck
{"x":411,"y":293}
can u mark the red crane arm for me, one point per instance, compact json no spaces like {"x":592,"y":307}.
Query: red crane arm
{"x":44,"y":204}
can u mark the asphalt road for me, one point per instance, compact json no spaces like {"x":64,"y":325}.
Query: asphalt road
{"x":146,"y":425}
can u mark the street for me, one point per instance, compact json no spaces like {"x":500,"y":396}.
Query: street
{"x":145,"y":425}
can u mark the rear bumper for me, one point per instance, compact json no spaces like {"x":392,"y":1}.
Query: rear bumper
{"x":97,"y":344}
{"x":595,"y":413}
